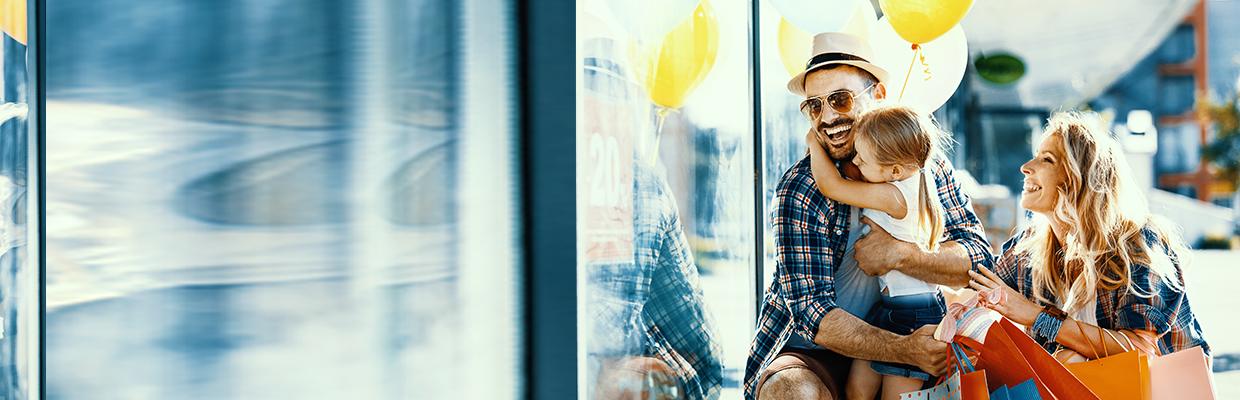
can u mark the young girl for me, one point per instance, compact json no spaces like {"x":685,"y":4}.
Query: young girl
{"x":894,"y":144}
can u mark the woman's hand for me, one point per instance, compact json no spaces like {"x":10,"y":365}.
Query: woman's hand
{"x":1016,"y":308}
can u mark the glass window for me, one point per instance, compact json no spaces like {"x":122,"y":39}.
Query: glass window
{"x":264,"y":199}
{"x":783,"y":126}
{"x":665,"y":197}
{"x":19,"y":271}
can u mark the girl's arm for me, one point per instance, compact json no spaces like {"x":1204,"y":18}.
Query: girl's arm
{"x":883,"y":196}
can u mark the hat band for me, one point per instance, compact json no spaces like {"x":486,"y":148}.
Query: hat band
{"x":828,"y":57}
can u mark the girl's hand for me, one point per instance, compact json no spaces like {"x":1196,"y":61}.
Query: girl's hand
{"x":1016,"y":308}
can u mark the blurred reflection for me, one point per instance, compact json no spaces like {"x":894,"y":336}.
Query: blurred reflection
{"x":252,"y":199}
{"x":15,"y":274}
{"x":650,"y":333}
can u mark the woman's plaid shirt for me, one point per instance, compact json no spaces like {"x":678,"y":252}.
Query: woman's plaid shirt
{"x":811,"y":232}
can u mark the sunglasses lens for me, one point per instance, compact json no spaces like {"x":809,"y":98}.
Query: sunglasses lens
{"x":811,"y":109}
{"x":841,"y":102}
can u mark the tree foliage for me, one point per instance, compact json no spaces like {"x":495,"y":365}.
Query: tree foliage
{"x":1224,"y":150}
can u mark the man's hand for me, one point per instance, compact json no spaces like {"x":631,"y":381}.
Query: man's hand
{"x":878,"y":253}
{"x":926,"y":352}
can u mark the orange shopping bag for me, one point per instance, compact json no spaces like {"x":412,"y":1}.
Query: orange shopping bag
{"x":1122,"y":376}
{"x":1010,"y":357}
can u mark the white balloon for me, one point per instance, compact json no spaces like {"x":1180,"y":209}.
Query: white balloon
{"x":650,"y":20}
{"x":945,"y":58}
{"x":862,"y":21}
{"x":817,"y":16}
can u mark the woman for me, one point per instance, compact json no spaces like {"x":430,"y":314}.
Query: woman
{"x":1098,"y":269}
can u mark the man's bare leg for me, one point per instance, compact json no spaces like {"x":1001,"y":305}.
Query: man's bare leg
{"x":794,"y":384}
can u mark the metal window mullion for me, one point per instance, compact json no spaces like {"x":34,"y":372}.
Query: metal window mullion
{"x":488,"y":208}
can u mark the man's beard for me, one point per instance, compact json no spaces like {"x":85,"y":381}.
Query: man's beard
{"x":846,"y":151}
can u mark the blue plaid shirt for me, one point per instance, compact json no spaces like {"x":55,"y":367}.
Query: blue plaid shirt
{"x":811,"y":233}
{"x":1167,"y":313}
{"x":654,"y":306}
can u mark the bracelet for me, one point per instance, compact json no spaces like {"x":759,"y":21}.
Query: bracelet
{"x":1046,"y":326}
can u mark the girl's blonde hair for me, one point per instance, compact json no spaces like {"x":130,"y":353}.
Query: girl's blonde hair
{"x":900,"y":135}
{"x":1106,"y":217}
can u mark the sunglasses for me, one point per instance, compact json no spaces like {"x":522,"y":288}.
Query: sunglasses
{"x":842,"y":101}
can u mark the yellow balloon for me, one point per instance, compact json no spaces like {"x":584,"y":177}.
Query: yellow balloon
{"x":13,"y":19}
{"x":794,"y":47}
{"x":921,"y":21}
{"x":672,"y":69}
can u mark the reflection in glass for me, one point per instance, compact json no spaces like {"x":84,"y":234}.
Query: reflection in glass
{"x":256,"y":199}
{"x":18,"y":276}
{"x":665,"y":218}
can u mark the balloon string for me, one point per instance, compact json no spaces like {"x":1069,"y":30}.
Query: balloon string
{"x":927,"y":65}
{"x":661,"y":113}
{"x":916,"y":51}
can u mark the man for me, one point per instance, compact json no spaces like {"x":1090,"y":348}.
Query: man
{"x":808,"y":330}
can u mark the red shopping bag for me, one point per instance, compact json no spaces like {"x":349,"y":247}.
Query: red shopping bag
{"x":1010,"y":357}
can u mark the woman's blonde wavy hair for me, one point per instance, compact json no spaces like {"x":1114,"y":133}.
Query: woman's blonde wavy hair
{"x":1106,"y":216}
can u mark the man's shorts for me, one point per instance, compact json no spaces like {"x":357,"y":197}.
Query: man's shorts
{"x":830,"y":367}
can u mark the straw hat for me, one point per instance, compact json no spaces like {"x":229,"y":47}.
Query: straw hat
{"x":837,"y":48}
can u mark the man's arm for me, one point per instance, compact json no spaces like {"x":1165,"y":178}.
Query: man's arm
{"x":846,"y":334}
{"x":803,"y":246}
{"x":878,"y":253}
{"x":965,"y":247}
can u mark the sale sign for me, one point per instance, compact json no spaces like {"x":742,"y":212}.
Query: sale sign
{"x":605,"y":166}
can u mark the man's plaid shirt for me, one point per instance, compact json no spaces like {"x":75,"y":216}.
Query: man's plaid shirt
{"x":811,"y":232}
{"x":1166,"y":312}
{"x":654,"y":307}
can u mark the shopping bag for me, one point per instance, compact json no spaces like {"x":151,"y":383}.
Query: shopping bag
{"x":1024,"y":391}
{"x":1183,"y":375}
{"x":972,"y":380}
{"x":1122,"y":376}
{"x":948,"y":390}
{"x":1010,"y":357}
{"x":952,"y":387}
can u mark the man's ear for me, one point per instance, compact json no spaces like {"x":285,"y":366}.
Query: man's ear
{"x":880,"y":91}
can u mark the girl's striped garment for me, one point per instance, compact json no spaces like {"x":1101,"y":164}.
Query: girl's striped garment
{"x":970,"y":319}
